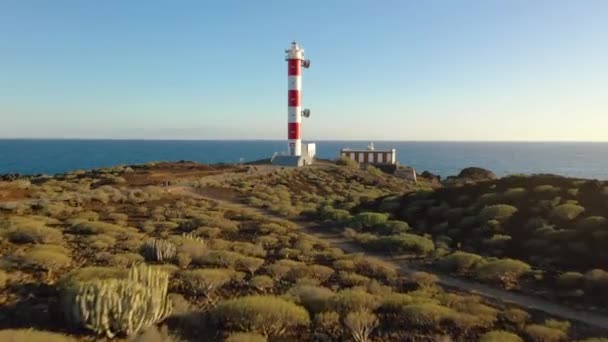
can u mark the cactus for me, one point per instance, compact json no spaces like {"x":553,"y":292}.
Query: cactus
{"x":159,"y":250}
{"x":192,"y":237}
{"x":113,"y":306}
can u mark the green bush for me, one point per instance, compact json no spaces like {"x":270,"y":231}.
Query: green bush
{"x":404,"y":243}
{"x":596,"y":281}
{"x":461,"y":262}
{"x":394,"y":302}
{"x":505,"y":271}
{"x":249,"y":264}
{"x":427,"y":314}
{"x":360,"y":324}
{"x":344,"y":161}
{"x":3,"y":279}
{"x":349,"y":300}
{"x":514,"y":194}
{"x":591,"y":223}
{"x":546,"y":190}
{"x":570,"y":280}
{"x":47,"y":257}
{"x":369,"y":219}
{"x":500,"y":336}
{"x":28,"y":230}
{"x":205,"y":281}
{"x":267,"y":315}
{"x":29,"y":335}
{"x":352,"y":278}
{"x":328,"y":323}
{"x":261,"y":282}
{"x":541,"y":333}
{"x":125,"y":259}
{"x":567,"y":212}
{"x":499,"y":212}
{"x":314,"y":298}
{"x":245,"y":337}
{"x":517,"y":317}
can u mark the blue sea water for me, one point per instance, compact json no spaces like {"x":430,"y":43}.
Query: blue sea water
{"x":577,"y":159}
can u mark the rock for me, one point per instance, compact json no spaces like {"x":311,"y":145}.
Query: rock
{"x":470,"y":175}
{"x":477,"y":173}
{"x":406,"y":172}
{"x":431,"y":176}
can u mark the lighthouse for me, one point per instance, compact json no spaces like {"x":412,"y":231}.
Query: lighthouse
{"x":295,"y":63}
{"x":298,"y":154}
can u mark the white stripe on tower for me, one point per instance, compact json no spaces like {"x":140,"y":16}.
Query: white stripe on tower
{"x":294,"y":99}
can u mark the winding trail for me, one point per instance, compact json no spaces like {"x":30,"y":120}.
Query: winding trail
{"x":492,"y":293}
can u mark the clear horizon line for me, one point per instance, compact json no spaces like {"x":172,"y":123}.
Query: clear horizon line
{"x":308,"y":140}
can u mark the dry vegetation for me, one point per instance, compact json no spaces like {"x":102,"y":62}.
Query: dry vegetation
{"x":112,"y":254}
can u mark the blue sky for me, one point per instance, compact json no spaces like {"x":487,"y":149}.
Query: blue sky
{"x":381,"y":70}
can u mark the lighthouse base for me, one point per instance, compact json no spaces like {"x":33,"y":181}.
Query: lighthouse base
{"x":291,"y":161}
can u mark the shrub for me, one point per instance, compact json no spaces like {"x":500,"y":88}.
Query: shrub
{"x":318,"y":272}
{"x":91,"y":274}
{"x":29,"y":335}
{"x":556,"y":324}
{"x":541,"y":333}
{"x":314,"y":298}
{"x":515,"y":193}
{"x":47,"y":257}
{"x":369,"y":219}
{"x":27,"y":230}
{"x":375,"y":268}
{"x":95,"y":227}
{"x":205,"y":281}
{"x":596,"y":280}
{"x":394,"y":302}
{"x":245,"y":337}
{"x":352,"y":278}
{"x":267,"y":315}
{"x":505,"y":271}
{"x":570,"y":280}
{"x":348,"y":300}
{"x":219,"y":258}
{"x":3,"y":279}
{"x":261,"y":282}
{"x":328,"y":323}
{"x":499,"y":212}
{"x":101,"y":241}
{"x":427,"y":314}
{"x":567,"y":212}
{"x":404,"y":242}
{"x":125,"y":259}
{"x":360,"y":324}
{"x":500,"y":336}
{"x":517,"y":317}
{"x":546,"y":190}
{"x":461,"y":262}
{"x":345,"y":161}
{"x":591,"y":222}
{"x":249,"y":264}
{"x":113,"y":306}
{"x":159,"y":250}
{"x":424,"y":279}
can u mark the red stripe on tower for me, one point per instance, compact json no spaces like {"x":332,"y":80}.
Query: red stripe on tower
{"x":293,"y":130}
{"x":293,"y":98}
{"x":294,"y":67}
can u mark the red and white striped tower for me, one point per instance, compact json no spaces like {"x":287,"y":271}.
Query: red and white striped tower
{"x":295,"y":62}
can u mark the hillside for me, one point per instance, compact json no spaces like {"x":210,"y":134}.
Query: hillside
{"x":190,"y":252}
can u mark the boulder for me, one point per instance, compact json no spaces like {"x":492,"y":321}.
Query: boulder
{"x":477,"y":173}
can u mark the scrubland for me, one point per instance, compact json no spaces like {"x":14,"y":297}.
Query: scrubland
{"x":115,"y":254}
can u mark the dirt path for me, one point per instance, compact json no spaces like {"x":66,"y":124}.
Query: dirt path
{"x":492,"y":293}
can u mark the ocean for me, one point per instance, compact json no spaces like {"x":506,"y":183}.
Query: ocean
{"x":576,"y":159}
